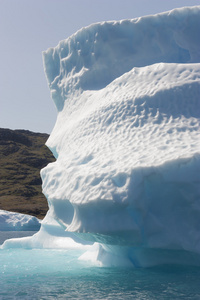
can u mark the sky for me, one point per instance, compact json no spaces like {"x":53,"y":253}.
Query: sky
{"x":28,"y":27}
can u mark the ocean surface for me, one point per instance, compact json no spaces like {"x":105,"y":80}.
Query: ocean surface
{"x":57,"y":274}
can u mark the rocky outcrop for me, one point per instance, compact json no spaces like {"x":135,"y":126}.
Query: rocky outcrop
{"x":22,"y":155}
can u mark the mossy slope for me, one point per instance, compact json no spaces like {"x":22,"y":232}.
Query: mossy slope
{"x":22,"y":155}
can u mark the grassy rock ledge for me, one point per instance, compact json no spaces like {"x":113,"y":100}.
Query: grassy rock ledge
{"x":22,"y":155}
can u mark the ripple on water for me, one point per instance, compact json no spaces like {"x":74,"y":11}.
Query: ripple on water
{"x":51,"y":274}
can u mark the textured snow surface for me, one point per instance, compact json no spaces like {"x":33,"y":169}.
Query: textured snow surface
{"x":96,"y":55}
{"x":127,"y":140}
{"x":10,"y":221}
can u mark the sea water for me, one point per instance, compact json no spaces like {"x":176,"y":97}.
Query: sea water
{"x":57,"y":274}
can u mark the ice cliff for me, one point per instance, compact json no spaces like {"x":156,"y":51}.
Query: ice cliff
{"x":126,"y":140}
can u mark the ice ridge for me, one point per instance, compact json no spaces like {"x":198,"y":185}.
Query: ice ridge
{"x":96,"y":55}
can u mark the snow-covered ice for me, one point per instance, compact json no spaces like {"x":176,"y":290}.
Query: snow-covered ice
{"x":10,"y":221}
{"x":127,"y":141}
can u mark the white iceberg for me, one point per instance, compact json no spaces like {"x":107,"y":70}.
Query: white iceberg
{"x":11,"y":221}
{"x":126,"y":140}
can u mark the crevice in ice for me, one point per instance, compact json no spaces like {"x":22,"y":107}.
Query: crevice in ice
{"x":62,"y":210}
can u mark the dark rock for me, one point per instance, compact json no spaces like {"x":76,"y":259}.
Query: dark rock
{"x":22,"y":155}
{"x":14,"y":136}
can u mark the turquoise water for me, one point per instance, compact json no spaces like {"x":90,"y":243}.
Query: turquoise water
{"x":57,"y":274}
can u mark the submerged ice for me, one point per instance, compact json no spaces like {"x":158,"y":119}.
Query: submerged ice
{"x":126,"y":142}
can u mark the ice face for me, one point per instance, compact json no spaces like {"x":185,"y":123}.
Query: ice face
{"x":118,"y":151}
{"x":96,"y":55}
{"x":126,"y":140}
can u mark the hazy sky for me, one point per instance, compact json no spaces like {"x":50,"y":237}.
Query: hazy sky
{"x":27,"y":27}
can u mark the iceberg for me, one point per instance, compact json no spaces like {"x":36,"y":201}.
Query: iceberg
{"x":125,"y":185}
{"x":10,"y":221}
